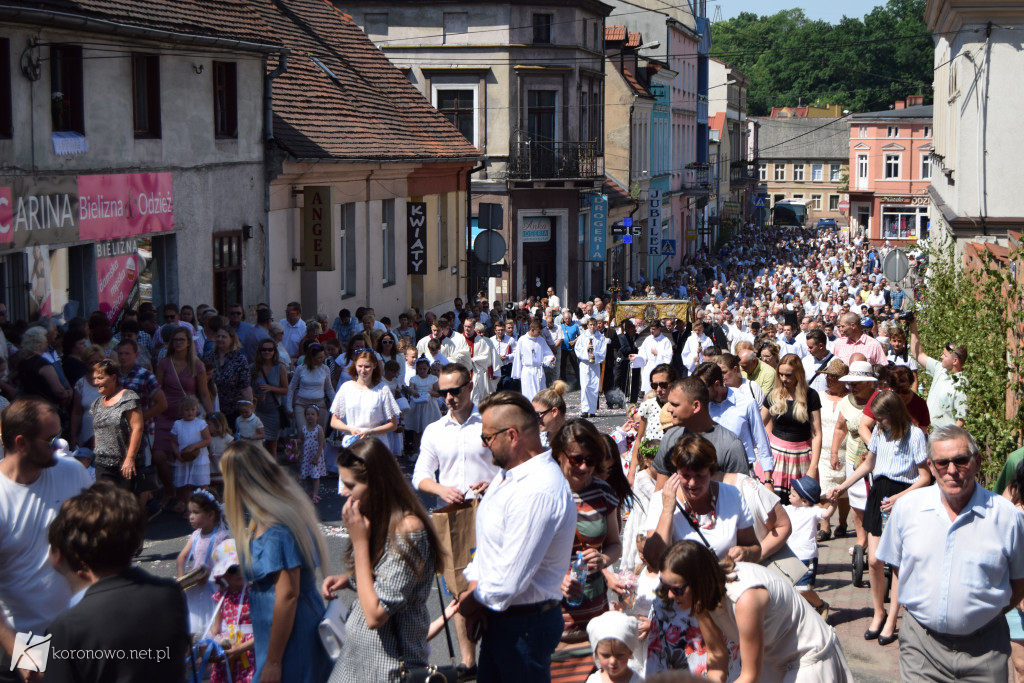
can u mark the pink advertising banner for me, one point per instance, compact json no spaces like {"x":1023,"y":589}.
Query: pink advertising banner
{"x":116,"y":276}
{"x":125,"y":205}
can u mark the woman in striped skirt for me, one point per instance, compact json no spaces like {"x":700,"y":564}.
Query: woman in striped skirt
{"x":580,"y":451}
{"x":793,"y":413}
{"x":898,"y":458}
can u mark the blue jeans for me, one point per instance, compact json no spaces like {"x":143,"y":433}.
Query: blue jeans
{"x":518,"y":649}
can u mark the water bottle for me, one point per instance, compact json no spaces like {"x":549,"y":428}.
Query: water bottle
{"x":885,"y":513}
{"x":578,"y":571}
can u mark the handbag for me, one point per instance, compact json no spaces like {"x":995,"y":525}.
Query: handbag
{"x":429,"y":673}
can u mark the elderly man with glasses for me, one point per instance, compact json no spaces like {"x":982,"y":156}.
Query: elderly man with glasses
{"x":958,"y":550}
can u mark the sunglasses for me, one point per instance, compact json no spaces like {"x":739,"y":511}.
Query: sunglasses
{"x":578,"y":460}
{"x":268,"y":349}
{"x":386,"y":341}
{"x":454,"y":392}
{"x":660,"y":385}
{"x":961,"y":462}
{"x":665,"y":589}
{"x":541,"y":414}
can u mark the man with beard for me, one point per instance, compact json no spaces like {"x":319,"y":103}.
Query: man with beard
{"x":524,"y":532}
{"x":34,"y":483}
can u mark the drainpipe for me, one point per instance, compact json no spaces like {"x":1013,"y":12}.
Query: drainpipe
{"x":268,"y":134}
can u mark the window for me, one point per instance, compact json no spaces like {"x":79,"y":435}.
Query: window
{"x":926,"y":166}
{"x":892,"y":166}
{"x":817,"y":171}
{"x":835,"y":173}
{"x":780,"y":171}
{"x":542,"y":28}
{"x":816,"y":202}
{"x":146,"y":95}
{"x":892,"y":132}
{"x":227,"y":269}
{"x":376,"y":24}
{"x":798,"y":172}
{"x":456,"y":27}
{"x":596,"y":110}
{"x":6,"y":109}
{"x":762,"y":172}
{"x":66,"y":91}
{"x":798,"y":196}
{"x":348,"y":249}
{"x":225,"y":100}
{"x":458,"y":106}
{"x":442,"y":232}
{"x":387,"y":230}
{"x":901,"y":222}
{"x":862,"y":131}
{"x":862,"y":171}
{"x":833,"y":202}
{"x":776,"y":198}
{"x":927,"y":131}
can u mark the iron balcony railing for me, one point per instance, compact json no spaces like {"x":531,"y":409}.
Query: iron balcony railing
{"x":534,"y":160}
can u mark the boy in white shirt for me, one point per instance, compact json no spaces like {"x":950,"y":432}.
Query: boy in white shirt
{"x":804,"y":514}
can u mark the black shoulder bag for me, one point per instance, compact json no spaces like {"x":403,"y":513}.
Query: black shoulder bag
{"x":428,"y":673}
{"x":693,"y":525}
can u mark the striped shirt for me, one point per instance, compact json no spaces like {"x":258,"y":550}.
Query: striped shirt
{"x":898,"y":460}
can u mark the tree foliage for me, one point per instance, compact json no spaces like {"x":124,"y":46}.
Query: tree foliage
{"x":861,"y":65}
{"x":978,"y":308}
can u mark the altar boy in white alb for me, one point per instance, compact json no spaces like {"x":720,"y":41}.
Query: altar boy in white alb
{"x":655,"y":350}
{"x":531,"y":355}
{"x":591,"y":348}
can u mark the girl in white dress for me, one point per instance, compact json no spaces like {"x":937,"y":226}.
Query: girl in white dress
{"x":424,"y":409}
{"x":190,"y":438}
{"x":365,"y":406}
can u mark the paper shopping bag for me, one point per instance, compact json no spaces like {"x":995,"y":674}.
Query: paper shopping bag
{"x":456,"y":529}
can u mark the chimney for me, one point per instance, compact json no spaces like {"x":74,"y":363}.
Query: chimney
{"x":915,"y":100}
{"x":900,"y":104}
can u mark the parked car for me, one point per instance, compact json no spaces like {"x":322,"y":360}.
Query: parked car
{"x":827,"y":223}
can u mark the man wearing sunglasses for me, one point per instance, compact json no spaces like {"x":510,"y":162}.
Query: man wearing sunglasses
{"x":34,"y":482}
{"x":957,"y":549}
{"x":947,"y":397}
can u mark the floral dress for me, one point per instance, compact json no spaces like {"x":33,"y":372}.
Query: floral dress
{"x":676,"y":643}
{"x":236,"y":626}
{"x":309,"y":467}
{"x":232,"y":377}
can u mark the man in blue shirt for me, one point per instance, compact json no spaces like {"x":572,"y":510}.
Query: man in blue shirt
{"x":570,"y":331}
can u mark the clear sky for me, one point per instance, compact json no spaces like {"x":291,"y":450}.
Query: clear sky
{"x":829,"y":10}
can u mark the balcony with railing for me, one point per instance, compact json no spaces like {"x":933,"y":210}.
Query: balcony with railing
{"x":742,"y":173}
{"x":554,"y":160}
{"x":697,"y":180}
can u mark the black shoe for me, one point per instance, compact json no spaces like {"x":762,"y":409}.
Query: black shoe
{"x":887,"y":640}
{"x":839,"y":532}
{"x":466,"y":673}
{"x":872,"y":635}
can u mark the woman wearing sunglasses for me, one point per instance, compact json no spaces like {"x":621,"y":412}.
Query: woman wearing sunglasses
{"x":897,"y":457}
{"x":365,"y":406}
{"x":550,"y":406}
{"x":780,"y":636}
{"x":692,"y":506}
{"x":580,"y":451}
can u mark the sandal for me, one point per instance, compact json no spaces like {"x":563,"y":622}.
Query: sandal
{"x":840,"y":531}
{"x":824,"y":609}
{"x":824,"y":535}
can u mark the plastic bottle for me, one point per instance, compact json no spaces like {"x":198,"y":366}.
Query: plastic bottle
{"x":885,"y":513}
{"x":579,"y":575}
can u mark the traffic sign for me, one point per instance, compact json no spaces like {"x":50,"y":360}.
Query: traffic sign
{"x":627,"y":239}
{"x":636,"y":230}
{"x":844,"y":206}
{"x":895,"y":265}
{"x":668,"y":247}
{"x":759,"y":202}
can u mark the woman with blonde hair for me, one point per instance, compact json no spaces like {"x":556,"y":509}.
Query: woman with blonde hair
{"x":550,"y":406}
{"x":393,"y":556}
{"x":792,"y":414}
{"x":280,"y":547}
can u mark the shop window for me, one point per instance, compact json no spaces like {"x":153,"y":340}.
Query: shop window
{"x":387,"y":228}
{"x":146,"y":95}
{"x":225,"y":100}
{"x":899,"y":223}
{"x":542,"y":28}
{"x":348,"y":250}
{"x":67,"y":112}
{"x":227,"y":269}
{"x":6,"y":108}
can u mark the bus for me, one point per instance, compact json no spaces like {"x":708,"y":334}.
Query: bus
{"x":790,"y":212}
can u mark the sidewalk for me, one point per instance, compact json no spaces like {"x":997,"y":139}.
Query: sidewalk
{"x":851,"y":613}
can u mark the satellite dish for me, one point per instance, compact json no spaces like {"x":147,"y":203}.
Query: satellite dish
{"x":895,"y":265}
{"x":489,"y":246}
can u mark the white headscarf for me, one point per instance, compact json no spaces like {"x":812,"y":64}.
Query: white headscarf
{"x":614,"y":626}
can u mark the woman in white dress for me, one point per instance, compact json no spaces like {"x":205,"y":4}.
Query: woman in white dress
{"x":365,"y":405}
{"x":781,"y":638}
{"x":591,"y":348}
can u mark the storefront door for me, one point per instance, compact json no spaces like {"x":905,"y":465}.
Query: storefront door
{"x":539,"y":253}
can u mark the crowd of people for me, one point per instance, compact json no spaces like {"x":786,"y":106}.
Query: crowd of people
{"x":783,"y":411}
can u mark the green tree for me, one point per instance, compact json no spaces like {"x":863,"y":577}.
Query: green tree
{"x":862,"y":65}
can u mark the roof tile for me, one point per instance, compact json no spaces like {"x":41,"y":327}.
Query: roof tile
{"x":614,"y":32}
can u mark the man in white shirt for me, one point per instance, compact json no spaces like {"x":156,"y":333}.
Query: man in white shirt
{"x":34,"y":482}
{"x":788,"y":343}
{"x":294,"y":328}
{"x":817,"y":359}
{"x":553,"y":300}
{"x":451,"y":447}
{"x":524,"y":533}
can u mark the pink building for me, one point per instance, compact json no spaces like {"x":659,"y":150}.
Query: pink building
{"x":890,"y":171}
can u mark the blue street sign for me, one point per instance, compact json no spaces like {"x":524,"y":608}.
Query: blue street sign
{"x":627,"y":239}
{"x":627,"y":222}
{"x":668,"y":247}
{"x":759,"y":202}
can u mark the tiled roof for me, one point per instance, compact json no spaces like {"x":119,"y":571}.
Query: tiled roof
{"x":614,"y":32}
{"x":365,"y":108}
{"x":635,"y":84}
{"x":803,"y":138}
{"x":230,"y":19}
{"x":634,"y":39}
{"x":717,"y":121}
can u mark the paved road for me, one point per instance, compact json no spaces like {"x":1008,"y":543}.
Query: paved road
{"x":870,"y":662}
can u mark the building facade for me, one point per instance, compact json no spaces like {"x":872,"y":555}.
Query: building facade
{"x":890,"y":171}
{"x":733,"y":178}
{"x":132,"y":151}
{"x":805,"y":159}
{"x":978,"y":63}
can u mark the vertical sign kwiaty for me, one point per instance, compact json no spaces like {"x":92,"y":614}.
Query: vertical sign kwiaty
{"x":654,"y":222}
{"x":416,"y":233}
{"x":598,"y":226}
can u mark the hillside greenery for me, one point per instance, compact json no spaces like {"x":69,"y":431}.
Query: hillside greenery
{"x":860,"y":64}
